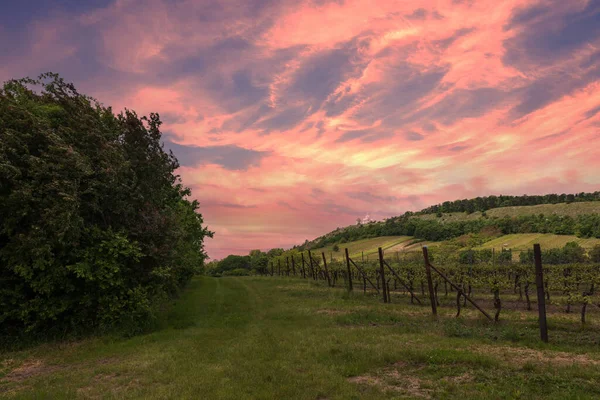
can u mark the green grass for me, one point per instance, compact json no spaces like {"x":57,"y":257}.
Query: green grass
{"x":572,"y":209}
{"x":273,"y":338}
{"x":390,"y":244}
{"x":524,"y":241}
{"x":367,"y":247}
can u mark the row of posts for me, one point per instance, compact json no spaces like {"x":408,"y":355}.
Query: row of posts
{"x":539,"y":275}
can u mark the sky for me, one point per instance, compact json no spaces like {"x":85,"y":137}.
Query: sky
{"x":292,"y":118}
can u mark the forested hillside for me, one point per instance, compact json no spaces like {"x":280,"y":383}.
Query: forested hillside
{"x":436,"y":225}
{"x":95,"y":227}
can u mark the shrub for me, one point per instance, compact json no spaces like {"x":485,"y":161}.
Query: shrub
{"x":237,"y":272}
{"x":95,"y":228}
{"x":595,"y":254}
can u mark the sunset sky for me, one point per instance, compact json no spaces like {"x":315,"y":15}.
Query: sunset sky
{"x":291,"y":118}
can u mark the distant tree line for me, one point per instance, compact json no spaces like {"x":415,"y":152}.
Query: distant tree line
{"x":96,"y":230}
{"x":487,"y":203}
{"x":256,"y":262}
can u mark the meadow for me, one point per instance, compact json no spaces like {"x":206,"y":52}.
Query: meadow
{"x":367,"y":248}
{"x":279,"y":337}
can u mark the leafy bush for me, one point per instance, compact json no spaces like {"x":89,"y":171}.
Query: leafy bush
{"x":95,"y":228}
{"x":572,"y":252}
{"x":237,"y":272}
{"x":595,"y":254}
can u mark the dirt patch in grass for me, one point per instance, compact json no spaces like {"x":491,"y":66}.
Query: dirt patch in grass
{"x":460,"y":379}
{"x":391,"y":380}
{"x":30,"y":369}
{"x":111,"y":383}
{"x":33,"y":368}
{"x":521,"y":355}
{"x":332,"y":312}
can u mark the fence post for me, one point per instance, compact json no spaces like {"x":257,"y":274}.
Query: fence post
{"x":326,"y":272}
{"x":382,"y":273}
{"x":541,"y":296}
{"x":429,"y":282}
{"x":293,"y":265}
{"x":279,"y":266}
{"x":312,"y":270}
{"x":349,"y":271}
{"x":303,"y":266}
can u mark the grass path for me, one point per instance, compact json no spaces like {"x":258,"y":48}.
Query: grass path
{"x":269,"y":338}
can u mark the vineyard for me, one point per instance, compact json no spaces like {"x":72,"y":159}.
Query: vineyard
{"x":485,"y":279}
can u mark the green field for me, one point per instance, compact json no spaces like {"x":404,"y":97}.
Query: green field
{"x":277,"y":338}
{"x":571,"y":209}
{"x":366,"y":247}
{"x":520,"y":241}
{"x":524,"y":241}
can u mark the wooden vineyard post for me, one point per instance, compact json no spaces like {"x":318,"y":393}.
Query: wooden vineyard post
{"x":271,"y":268}
{"x":312,"y":270}
{"x":303,"y":266}
{"x":429,"y":282}
{"x":287,"y":264}
{"x":349,"y":271}
{"x":279,"y":267}
{"x":326,"y":272}
{"x":293,"y":265}
{"x":541,"y":296}
{"x":382,"y":273}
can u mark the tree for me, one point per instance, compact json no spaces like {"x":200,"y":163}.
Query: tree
{"x":95,"y":227}
{"x":259,"y":261}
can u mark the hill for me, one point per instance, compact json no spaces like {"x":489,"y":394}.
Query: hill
{"x":520,"y":241}
{"x":577,"y":218}
{"x":563,"y":209}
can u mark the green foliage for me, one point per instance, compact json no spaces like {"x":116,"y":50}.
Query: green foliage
{"x":95,"y":228}
{"x":572,"y":252}
{"x":336,"y":248}
{"x":595,"y":254}
{"x":486,"y":203}
{"x":237,"y":272}
{"x":259,"y":261}
{"x":231,"y":263}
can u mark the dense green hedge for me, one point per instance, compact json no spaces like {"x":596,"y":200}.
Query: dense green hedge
{"x":95,"y":228}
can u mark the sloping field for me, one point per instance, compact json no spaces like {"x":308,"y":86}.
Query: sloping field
{"x":524,"y":241}
{"x":572,"y":209}
{"x":521,"y":241}
{"x":366,"y":246}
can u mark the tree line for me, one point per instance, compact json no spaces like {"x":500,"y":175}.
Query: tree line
{"x":256,"y":261}
{"x":96,"y":229}
{"x":488,"y":202}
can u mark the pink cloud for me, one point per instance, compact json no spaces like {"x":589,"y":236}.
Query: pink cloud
{"x":331,"y":110}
